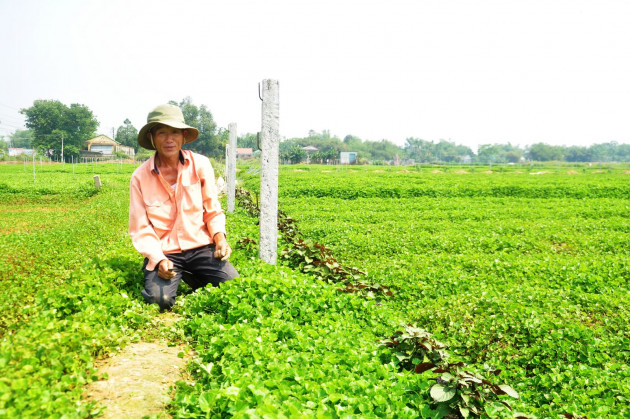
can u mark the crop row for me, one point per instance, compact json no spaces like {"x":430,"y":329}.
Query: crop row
{"x":70,"y":286}
{"x":535,"y":287}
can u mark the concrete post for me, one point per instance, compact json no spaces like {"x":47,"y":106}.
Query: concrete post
{"x":227,"y":159}
{"x":269,"y":139}
{"x":231,"y":165}
{"x":97,"y":182}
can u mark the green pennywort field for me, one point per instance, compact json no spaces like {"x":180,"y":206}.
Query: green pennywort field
{"x":509,"y":295}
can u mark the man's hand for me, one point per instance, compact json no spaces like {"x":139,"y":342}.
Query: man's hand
{"x":165,"y":269}
{"x":222,"y":250}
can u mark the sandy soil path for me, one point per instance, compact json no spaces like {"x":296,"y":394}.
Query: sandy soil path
{"x":139,"y":380}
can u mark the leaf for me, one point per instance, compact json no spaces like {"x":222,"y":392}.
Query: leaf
{"x":509,"y":390}
{"x":473,"y":379}
{"x":207,"y":368}
{"x":441,"y":393}
{"x":447,"y":376}
{"x":424,"y":366}
{"x":506,"y":404}
{"x":464,"y":411}
{"x":205,"y":400}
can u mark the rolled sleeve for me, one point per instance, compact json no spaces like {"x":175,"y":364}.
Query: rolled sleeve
{"x":142,"y":233}
{"x":213,"y":215}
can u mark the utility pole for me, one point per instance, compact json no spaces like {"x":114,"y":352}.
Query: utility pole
{"x":269,"y":136}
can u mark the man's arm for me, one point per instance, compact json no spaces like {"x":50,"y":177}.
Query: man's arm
{"x":143,"y":236}
{"x":223,"y":249}
{"x":213,"y":216}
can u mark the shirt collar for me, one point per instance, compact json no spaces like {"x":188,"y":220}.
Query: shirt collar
{"x":155,"y":168}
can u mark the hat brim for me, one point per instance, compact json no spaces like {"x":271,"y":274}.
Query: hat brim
{"x":143,"y":140}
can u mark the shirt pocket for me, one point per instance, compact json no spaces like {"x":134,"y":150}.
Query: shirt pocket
{"x":159,"y":213}
{"x":193,"y":200}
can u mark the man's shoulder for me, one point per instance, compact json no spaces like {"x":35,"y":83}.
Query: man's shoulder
{"x":198,"y":159}
{"x":142,"y":170}
{"x":196,"y":156}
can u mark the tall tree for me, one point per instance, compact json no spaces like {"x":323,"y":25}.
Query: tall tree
{"x":248,"y":140}
{"x":293,"y":154}
{"x":54,"y":124}
{"x":210,"y":142}
{"x":499,"y":153}
{"x":544,"y":152}
{"x":21,"y":138}
{"x":420,"y":150}
{"x":127,"y":135}
{"x":577,"y":154}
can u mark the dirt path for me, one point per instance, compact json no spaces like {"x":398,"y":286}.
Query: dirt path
{"x":139,"y":378}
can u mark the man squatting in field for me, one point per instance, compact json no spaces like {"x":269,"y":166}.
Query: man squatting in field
{"x":175,"y":217}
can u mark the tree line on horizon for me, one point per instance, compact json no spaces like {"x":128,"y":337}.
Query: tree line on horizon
{"x":50,"y":122}
{"x":422,"y":151}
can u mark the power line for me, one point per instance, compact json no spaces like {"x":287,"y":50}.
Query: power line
{"x":9,"y":125}
{"x":5,"y":121}
{"x":3,"y":114}
{"x":10,"y":107}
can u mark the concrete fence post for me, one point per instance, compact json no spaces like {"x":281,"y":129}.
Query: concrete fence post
{"x":231,"y":173}
{"x":269,"y":140}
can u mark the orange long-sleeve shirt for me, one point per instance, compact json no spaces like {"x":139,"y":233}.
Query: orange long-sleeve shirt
{"x":169,"y":219}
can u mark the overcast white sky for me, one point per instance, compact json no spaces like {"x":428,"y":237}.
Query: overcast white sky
{"x":472,"y":72}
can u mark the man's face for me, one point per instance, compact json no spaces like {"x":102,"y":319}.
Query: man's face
{"x":168,"y":140}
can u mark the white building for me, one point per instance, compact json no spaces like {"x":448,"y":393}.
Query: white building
{"x":348,"y":157}
{"x":103,"y":146}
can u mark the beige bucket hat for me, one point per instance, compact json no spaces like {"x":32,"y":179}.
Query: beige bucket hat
{"x":170,"y":115}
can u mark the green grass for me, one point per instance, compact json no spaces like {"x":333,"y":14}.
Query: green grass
{"x":70,"y":286}
{"x":521,"y":272}
{"x":531,"y":283}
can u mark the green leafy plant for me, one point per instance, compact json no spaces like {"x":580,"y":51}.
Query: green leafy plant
{"x":317,"y":259}
{"x":415,"y":349}
{"x":309,"y":256}
{"x":467,"y":393}
{"x":457,"y":390}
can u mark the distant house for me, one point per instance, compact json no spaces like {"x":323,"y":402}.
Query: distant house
{"x":244,"y":153}
{"x":15,"y":151}
{"x":348,"y":157}
{"x":310,"y":149}
{"x":103,"y":146}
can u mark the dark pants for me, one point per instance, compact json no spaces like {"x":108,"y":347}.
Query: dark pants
{"x":197,"y":267}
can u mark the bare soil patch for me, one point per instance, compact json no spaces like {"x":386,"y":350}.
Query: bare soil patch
{"x":139,"y":379}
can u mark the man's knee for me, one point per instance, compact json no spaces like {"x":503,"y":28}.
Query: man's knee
{"x":227,"y":272}
{"x":165,"y":301}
